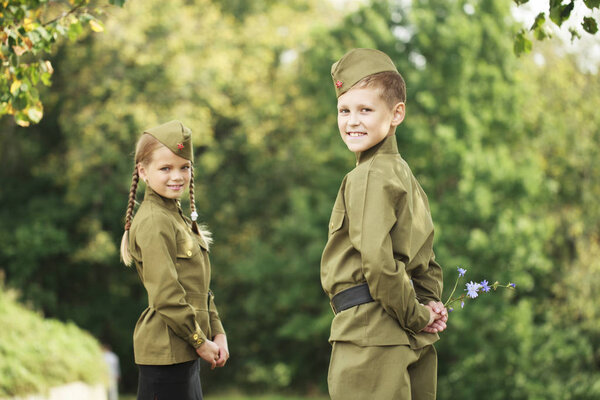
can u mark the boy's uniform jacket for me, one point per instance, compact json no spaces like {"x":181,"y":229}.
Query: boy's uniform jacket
{"x":172,"y":262}
{"x":381,"y":232}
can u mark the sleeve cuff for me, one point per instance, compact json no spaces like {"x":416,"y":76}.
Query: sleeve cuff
{"x":197,"y":338}
{"x":421,"y":321}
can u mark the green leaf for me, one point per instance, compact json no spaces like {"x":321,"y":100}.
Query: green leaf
{"x":75,"y":29}
{"x":592,"y":3}
{"x":522,"y":44}
{"x":560,"y":13}
{"x":520,"y":2}
{"x":117,"y":2}
{"x":590,"y":25}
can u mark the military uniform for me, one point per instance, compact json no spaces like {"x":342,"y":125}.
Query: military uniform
{"x":381,"y":234}
{"x":173,"y":264}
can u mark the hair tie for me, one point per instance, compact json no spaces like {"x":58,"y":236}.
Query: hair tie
{"x":194,"y":215}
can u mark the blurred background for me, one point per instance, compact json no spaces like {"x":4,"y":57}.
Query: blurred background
{"x":507,"y":149}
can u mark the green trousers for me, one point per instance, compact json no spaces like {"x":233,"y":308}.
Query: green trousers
{"x":382,"y":372}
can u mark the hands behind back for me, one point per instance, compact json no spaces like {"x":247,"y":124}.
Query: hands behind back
{"x":438,"y":316}
{"x":209,"y":352}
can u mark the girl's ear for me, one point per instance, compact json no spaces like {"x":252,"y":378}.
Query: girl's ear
{"x":141,"y":171}
{"x":398,"y":113}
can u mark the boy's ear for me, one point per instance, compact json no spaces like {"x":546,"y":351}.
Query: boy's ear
{"x":398,"y":112}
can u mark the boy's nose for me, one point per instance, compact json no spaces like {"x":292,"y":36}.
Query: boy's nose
{"x":353,"y":120}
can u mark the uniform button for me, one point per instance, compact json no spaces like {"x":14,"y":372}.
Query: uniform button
{"x":331,"y":225}
{"x":196,"y":336}
{"x":189,"y":253}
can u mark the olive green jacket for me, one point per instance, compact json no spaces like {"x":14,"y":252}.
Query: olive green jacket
{"x":381,"y":232}
{"x":172,"y":262}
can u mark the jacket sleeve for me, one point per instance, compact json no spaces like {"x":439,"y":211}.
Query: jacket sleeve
{"x":216,"y":326}
{"x":156,"y":240}
{"x":428,"y":282}
{"x":374,"y":202}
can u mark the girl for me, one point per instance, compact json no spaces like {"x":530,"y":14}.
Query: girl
{"x":170,"y":253}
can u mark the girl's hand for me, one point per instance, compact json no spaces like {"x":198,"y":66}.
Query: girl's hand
{"x":209,"y":352}
{"x":221,"y":341}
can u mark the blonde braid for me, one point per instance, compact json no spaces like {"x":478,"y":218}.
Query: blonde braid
{"x":125,"y":255}
{"x":201,"y":230}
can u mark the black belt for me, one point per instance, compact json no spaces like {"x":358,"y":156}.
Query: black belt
{"x":351,"y":297}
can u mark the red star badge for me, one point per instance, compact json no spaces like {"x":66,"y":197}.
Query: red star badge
{"x":180,"y":146}
{"x":339,"y":84}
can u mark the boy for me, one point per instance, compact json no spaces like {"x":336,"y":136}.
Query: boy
{"x":378,"y":266}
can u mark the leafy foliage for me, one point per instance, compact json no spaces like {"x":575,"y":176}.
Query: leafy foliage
{"x":558,"y":13}
{"x":28,"y":31}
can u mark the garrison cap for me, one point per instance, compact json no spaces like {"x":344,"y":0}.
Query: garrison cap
{"x":176,"y":136}
{"x":356,"y":65}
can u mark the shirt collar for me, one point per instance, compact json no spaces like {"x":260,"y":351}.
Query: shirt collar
{"x":169,"y":204}
{"x":386,"y":146}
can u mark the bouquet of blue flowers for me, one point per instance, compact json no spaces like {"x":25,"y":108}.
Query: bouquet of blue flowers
{"x":473,"y":289}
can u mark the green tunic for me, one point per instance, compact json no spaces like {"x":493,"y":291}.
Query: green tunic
{"x":381,"y":232}
{"x":172,"y":262}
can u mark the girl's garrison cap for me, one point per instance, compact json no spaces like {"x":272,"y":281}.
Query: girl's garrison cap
{"x":176,"y":136}
{"x":356,"y":65}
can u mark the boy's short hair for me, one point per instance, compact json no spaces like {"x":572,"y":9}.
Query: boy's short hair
{"x":390,"y":84}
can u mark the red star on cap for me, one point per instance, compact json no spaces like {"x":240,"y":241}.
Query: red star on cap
{"x":180,"y":146}
{"x":339,"y":84}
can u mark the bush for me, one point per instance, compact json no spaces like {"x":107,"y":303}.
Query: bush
{"x":37,"y":354}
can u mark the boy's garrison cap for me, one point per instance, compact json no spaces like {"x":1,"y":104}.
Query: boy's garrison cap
{"x":176,"y":136}
{"x":356,"y":65}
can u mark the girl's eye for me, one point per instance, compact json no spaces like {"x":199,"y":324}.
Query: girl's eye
{"x":165,"y":169}
{"x":186,"y":167}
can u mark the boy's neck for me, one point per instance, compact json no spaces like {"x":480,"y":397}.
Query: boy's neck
{"x":387,"y":146}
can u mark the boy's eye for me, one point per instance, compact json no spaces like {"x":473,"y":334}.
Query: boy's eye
{"x":343,"y":111}
{"x":366,"y":109}
{"x":166,"y":169}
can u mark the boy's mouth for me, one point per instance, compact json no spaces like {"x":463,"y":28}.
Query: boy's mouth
{"x":356,"y":134}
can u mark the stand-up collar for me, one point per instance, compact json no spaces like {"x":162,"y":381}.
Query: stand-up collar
{"x":386,"y":146}
{"x":169,"y":204}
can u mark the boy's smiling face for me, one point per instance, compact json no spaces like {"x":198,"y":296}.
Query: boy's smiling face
{"x":365,"y":119}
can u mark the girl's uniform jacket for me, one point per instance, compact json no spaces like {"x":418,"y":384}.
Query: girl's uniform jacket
{"x":381,"y":233}
{"x":172,"y":262}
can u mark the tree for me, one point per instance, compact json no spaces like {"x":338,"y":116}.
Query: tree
{"x":28,"y":31}
{"x":557,"y":14}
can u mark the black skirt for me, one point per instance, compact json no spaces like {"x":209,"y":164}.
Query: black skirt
{"x":170,"y":382}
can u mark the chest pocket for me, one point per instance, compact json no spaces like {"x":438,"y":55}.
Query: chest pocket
{"x":336,"y":221}
{"x":187,"y":246}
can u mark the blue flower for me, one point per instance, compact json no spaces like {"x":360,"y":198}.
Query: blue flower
{"x":513,"y":285}
{"x":462,"y":304}
{"x":472,"y":289}
{"x":451,"y":309}
{"x":461,"y":272}
{"x":484,"y":286}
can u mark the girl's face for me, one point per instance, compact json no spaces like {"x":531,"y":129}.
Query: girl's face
{"x":167,"y":174}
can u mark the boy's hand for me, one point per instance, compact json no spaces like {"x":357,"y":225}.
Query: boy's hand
{"x":438,"y":316}
{"x":209,"y":352}
{"x":221,"y":341}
